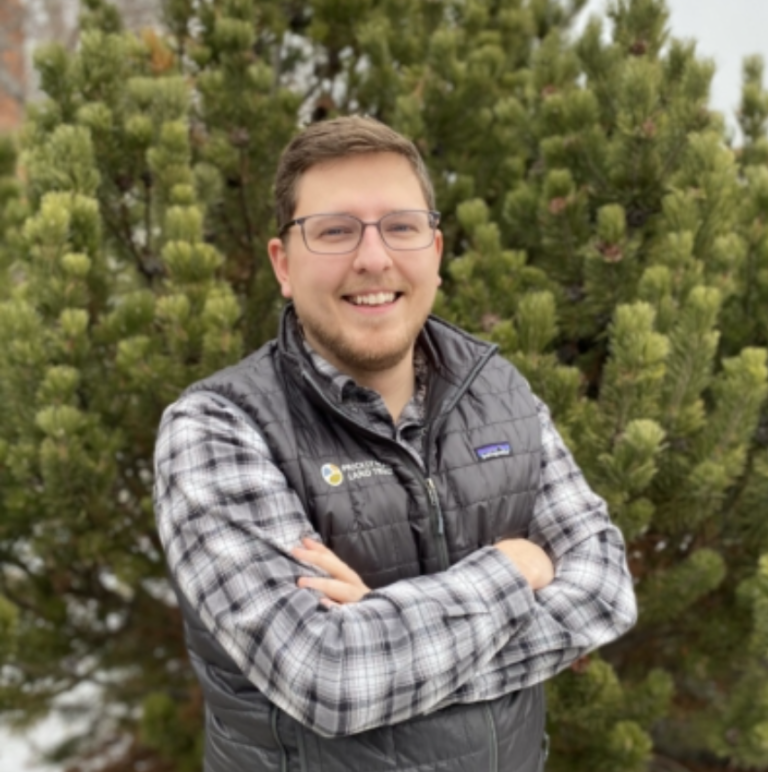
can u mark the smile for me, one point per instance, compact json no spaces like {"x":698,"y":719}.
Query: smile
{"x":373,"y":299}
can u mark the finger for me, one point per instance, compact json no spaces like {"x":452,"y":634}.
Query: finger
{"x":328,"y":562}
{"x":314,"y":545}
{"x":334,"y":590}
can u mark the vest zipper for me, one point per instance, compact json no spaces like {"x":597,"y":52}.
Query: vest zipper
{"x":494,"y":767}
{"x":442,"y":545}
{"x":436,"y":512}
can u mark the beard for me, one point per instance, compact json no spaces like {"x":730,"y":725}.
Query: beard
{"x":351,"y":353}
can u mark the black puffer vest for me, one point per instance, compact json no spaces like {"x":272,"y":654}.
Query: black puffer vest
{"x":389,"y":520}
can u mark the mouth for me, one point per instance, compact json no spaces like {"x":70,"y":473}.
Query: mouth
{"x":373,"y":299}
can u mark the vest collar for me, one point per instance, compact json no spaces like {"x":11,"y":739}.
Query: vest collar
{"x":455,"y":357}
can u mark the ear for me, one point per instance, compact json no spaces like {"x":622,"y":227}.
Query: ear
{"x":279,"y":260}
{"x":439,"y":254}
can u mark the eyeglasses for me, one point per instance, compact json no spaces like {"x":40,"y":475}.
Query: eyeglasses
{"x":338,"y":234}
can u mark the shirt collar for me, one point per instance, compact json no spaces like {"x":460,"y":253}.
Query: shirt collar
{"x":343,"y":388}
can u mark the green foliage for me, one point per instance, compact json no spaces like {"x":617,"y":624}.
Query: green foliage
{"x":172,"y":730}
{"x":598,"y":227}
{"x":603,"y":731}
{"x":12,"y":208}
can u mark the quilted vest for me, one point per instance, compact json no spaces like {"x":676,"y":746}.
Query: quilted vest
{"x":389,"y":519}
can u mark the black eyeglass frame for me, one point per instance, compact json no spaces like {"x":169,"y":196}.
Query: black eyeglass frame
{"x":434,"y":221}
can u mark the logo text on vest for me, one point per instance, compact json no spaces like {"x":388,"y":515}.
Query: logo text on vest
{"x":356,"y":470}
{"x":493,"y":451}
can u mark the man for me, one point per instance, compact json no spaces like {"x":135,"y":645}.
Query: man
{"x":380,"y":543}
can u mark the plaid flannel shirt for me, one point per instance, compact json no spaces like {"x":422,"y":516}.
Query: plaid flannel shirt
{"x":228,"y":520}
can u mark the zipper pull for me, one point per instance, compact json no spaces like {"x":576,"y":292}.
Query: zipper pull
{"x":435,"y":502}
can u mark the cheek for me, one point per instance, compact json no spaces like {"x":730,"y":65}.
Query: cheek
{"x":431,"y":278}
{"x":315,"y":282}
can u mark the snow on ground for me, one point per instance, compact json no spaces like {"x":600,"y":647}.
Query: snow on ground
{"x":20,"y":752}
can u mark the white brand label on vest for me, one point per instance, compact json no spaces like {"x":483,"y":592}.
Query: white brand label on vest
{"x":493,"y":451}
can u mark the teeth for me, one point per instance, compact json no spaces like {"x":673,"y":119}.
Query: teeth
{"x":376,"y":299}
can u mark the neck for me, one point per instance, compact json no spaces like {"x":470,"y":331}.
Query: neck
{"x":395,"y":385}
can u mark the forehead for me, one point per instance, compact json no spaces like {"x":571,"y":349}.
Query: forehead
{"x":365,"y":185}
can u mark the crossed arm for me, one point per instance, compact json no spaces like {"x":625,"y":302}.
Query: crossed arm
{"x":340,"y":584}
{"x":230,"y":525}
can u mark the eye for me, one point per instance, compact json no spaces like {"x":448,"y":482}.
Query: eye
{"x":400,"y":226}
{"x":404,"y":224}
{"x":335,"y":230}
{"x":331,"y":228}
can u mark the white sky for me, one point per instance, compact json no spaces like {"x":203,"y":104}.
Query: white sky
{"x":726,"y":31}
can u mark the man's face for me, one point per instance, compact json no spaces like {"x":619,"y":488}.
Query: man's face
{"x":363,"y":310}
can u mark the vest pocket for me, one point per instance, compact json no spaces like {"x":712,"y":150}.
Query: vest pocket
{"x":372,"y":751}
{"x":456,"y":739}
{"x":227,"y":751}
{"x":544,"y":752}
{"x":493,"y":745}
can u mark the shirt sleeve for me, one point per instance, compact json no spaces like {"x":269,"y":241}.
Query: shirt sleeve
{"x":228,"y":520}
{"x":591,"y":600}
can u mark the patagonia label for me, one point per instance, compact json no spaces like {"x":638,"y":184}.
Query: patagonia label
{"x":493,"y":451}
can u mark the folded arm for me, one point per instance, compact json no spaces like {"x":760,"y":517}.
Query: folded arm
{"x":587,"y":603}
{"x":229,"y":522}
{"x":591,"y":600}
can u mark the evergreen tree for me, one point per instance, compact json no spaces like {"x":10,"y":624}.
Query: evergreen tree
{"x":598,"y":227}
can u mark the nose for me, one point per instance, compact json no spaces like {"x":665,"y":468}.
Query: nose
{"x":372,"y":255}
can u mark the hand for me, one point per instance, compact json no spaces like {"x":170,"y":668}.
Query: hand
{"x":531,"y":560}
{"x":343,"y":584}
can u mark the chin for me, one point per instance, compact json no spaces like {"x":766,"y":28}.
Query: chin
{"x":363,"y":351}
{"x":373,"y":358}
{"x":369,"y":354}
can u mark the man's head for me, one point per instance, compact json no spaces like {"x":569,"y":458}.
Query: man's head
{"x":361,"y":303}
{"x":340,"y":138}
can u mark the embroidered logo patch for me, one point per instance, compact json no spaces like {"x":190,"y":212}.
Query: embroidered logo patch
{"x":332,"y":474}
{"x":355,"y":470}
{"x":495,"y":450}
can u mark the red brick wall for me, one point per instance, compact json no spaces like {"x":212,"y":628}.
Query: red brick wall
{"x":11,"y":63}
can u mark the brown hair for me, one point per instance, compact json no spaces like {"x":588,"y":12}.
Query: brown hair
{"x":339,"y":138}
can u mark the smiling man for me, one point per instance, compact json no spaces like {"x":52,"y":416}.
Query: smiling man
{"x":380,"y":544}
{"x":360,"y":259}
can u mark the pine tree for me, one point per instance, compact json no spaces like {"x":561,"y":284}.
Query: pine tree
{"x":599,"y":227}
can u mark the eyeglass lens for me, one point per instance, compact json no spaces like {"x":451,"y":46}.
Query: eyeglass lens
{"x":338,"y":233}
